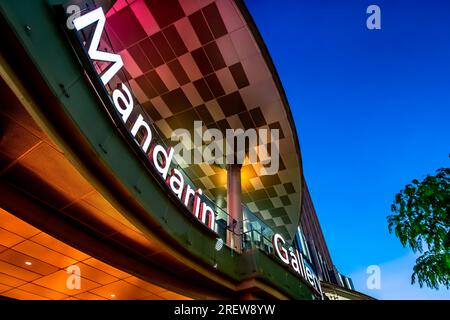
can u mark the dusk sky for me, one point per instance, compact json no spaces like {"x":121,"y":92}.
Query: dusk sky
{"x":372,"y":109}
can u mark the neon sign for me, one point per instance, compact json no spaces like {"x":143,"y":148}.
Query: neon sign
{"x":123,"y":101}
{"x":294,"y":258}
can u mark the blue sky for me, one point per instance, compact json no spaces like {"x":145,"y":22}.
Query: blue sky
{"x":372,"y":109}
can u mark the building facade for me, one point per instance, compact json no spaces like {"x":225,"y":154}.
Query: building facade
{"x":311,"y":241}
{"x":97,"y":199}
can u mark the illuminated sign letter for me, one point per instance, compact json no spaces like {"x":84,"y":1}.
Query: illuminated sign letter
{"x":279,"y":249}
{"x":294,"y":262}
{"x":310,"y":276}
{"x":166,"y":156}
{"x":208,"y":213}
{"x":176,"y":182}
{"x":187,"y":194}
{"x":140,"y":123}
{"x":127,"y":101}
{"x":198,"y":206}
{"x":98,"y":16}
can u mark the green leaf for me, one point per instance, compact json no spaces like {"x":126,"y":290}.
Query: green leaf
{"x":421,"y":221}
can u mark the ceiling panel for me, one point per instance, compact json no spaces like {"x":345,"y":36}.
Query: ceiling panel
{"x":19,"y":259}
{"x":96,"y":275}
{"x":38,"y":251}
{"x":9,"y":239}
{"x":23,"y":295}
{"x":42,"y":291}
{"x":16,"y":140}
{"x":10,"y":281}
{"x":18,"y":272}
{"x":107,"y":268}
{"x":151,"y":297}
{"x":10,"y":222}
{"x":89,"y":296}
{"x":136,"y":241}
{"x":56,"y":245}
{"x":100,"y":203}
{"x":121,"y":290}
{"x":58,"y":282}
{"x":169,"y":295}
{"x":51,"y":165}
{"x":93,"y":219}
{"x":145,"y":285}
{"x":15,"y":112}
{"x":4,"y":288}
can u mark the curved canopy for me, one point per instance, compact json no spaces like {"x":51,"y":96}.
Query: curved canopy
{"x":204,"y":60}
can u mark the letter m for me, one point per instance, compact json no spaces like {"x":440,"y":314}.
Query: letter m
{"x":98,"y":16}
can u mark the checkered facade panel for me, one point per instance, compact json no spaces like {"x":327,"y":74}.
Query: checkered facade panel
{"x":193,"y":60}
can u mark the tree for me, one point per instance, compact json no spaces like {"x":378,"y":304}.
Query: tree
{"x":421,"y":220}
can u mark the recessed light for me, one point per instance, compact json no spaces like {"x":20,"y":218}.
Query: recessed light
{"x":28,"y":263}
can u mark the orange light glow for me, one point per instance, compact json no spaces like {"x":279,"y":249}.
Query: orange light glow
{"x":34,"y":266}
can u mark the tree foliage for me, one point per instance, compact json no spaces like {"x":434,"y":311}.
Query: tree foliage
{"x":421,"y":220}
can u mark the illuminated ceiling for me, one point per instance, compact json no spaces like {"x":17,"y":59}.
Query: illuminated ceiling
{"x":33,"y":267}
{"x":31,"y":162}
{"x":202,"y":60}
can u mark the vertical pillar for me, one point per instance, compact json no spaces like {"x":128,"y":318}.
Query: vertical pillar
{"x":234,"y":206}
